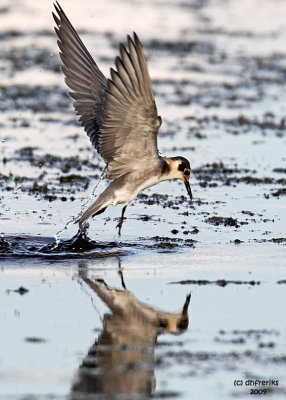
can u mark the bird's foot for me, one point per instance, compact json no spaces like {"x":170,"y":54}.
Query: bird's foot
{"x":82,"y":229}
{"x":119,"y":225}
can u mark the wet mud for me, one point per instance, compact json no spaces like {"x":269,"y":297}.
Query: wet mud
{"x":219,"y":82}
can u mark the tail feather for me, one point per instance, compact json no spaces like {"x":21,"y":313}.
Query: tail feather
{"x":95,"y":208}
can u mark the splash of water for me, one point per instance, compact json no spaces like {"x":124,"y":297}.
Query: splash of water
{"x":58,"y":235}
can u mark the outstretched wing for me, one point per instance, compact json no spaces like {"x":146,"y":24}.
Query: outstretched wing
{"x":130,"y":125}
{"x":82,"y":75}
{"x":119,"y":115}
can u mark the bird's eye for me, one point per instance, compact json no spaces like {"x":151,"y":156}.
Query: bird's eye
{"x":187,"y":171}
{"x":163,"y":323}
{"x":183,"y":324}
{"x":181,"y":167}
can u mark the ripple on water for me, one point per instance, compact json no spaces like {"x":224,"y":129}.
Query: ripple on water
{"x":81,"y":246}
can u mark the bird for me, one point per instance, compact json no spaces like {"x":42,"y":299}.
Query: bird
{"x":120,"y":117}
{"x":121,"y":362}
{"x":126,"y":307}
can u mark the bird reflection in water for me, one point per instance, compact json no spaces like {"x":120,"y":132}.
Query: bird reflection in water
{"x":120,"y":365}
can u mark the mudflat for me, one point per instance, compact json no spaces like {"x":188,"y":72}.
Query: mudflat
{"x":219,"y":80}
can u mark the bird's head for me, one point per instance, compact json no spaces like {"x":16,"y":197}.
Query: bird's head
{"x":175,"y":323}
{"x":179,"y":168}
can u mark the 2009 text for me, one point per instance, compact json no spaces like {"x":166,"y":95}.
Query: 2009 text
{"x":261,"y":387}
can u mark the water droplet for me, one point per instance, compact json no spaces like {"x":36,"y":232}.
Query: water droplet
{"x":58,"y":235}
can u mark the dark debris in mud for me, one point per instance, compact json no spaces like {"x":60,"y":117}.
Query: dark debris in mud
{"x":218,"y":282}
{"x":163,"y":200}
{"x":166,"y":243}
{"x":263,"y":338}
{"x":166,"y":394}
{"x":201,"y":363}
{"x":40,"y":189}
{"x":280,"y":240}
{"x":21,"y":58}
{"x":35,"y":340}
{"x":267,"y":123}
{"x":257,"y":333}
{"x":279,"y":192}
{"x":64,"y":164}
{"x":21,"y":290}
{"x":210,"y":175}
{"x":225,"y":221}
{"x":180,"y":47}
{"x":38,"y":99}
{"x":58,"y":176}
{"x":252,"y":346}
{"x":280,"y":170}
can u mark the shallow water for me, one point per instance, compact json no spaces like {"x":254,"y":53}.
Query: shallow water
{"x":219,"y":80}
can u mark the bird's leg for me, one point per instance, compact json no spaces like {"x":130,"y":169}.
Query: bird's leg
{"x":99,"y":212}
{"x":100,"y":280}
{"x":120,"y":272}
{"x":120,"y":222}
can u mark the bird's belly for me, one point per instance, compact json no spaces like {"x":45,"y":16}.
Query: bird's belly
{"x":135,"y":185}
{"x":153,"y":180}
{"x":123,"y":196}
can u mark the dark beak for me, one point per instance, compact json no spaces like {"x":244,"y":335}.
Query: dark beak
{"x":189,"y":190}
{"x":186,"y":305}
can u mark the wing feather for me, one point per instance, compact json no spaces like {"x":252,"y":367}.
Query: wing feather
{"x":87,"y":83}
{"x":131,"y":123}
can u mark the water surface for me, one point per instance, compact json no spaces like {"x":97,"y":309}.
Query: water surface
{"x":219,"y":82}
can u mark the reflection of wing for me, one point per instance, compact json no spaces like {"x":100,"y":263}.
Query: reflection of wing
{"x":121,"y":363}
{"x":83,"y":76}
{"x":130,"y":124}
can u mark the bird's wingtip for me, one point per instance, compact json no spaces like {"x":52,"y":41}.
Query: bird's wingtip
{"x":137,"y":41}
{"x":57,"y":6}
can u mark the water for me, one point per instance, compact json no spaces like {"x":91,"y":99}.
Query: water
{"x":219,"y":82}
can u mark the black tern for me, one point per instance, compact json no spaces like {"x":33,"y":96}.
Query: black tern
{"x":120,"y":117}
